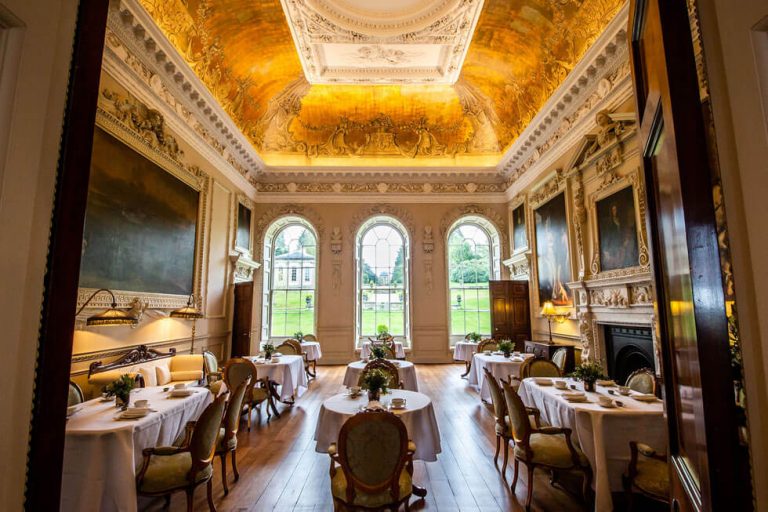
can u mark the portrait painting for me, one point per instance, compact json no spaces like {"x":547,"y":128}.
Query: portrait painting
{"x":140,"y":225}
{"x":243,"y":238}
{"x":553,"y":262}
{"x":617,"y":231}
{"x":519,"y":235}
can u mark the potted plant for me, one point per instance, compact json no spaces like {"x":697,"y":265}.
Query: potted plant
{"x":375,"y":382}
{"x":121,"y":390}
{"x":506,"y":346}
{"x":269,"y":349}
{"x":382,"y":332}
{"x":474,"y":337}
{"x":298,"y":336}
{"x":588,"y":373}
{"x":378,"y":352}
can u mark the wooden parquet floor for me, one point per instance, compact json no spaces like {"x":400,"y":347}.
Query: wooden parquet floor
{"x":280,"y":470}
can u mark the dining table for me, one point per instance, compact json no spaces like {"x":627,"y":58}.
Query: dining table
{"x":405,"y":369}
{"x":365,"y":349}
{"x":500,"y":367}
{"x":287,"y":372}
{"x":418,"y":417}
{"x":102,"y":452}
{"x":602,"y":433}
{"x":312,"y":349}
{"x":464,"y":351}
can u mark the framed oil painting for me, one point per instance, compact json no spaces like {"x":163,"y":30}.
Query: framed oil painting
{"x":617,"y":231}
{"x":141,"y":224}
{"x":552,"y":258}
{"x":519,"y":234}
{"x":243,"y":236}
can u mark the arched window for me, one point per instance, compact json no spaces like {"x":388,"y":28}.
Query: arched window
{"x":382,"y":255}
{"x":290,"y":276}
{"x":474,"y":258}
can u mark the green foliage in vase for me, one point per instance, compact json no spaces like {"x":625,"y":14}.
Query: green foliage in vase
{"x":298,"y":336}
{"x":474,"y":337}
{"x":506,"y":346}
{"x":268,"y":348}
{"x":378,"y":352}
{"x":376,"y":380}
{"x":588,"y":372}
{"x":121,"y":388}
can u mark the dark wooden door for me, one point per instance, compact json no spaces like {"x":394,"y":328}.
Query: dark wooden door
{"x":707,"y":463}
{"x":510,"y":312}
{"x":241,"y":320}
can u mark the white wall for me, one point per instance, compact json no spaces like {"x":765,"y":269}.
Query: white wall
{"x":731,"y":36}
{"x":26,"y":198}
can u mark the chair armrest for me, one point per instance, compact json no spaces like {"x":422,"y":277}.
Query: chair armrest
{"x":533,"y":411}
{"x":551,"y":431}
{"x":644,"y":450}
{"x":332,"y":450}
{"x":411,"y":447}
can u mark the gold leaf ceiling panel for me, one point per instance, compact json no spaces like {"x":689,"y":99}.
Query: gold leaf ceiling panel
{"x":520,"y":52}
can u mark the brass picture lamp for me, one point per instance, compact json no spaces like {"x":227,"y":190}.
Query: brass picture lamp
{"x":111,"y":316}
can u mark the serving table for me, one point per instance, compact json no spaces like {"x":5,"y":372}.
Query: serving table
{"x":102,"y":454}
{"x":602,"y":433}
{"x":405,"y":369}
{"x":365,"y":350}
{"x":287,"y":373}
{"x":464,"y":351}
{"x":499,"y":366}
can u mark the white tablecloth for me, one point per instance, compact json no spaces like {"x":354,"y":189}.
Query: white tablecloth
{"x":102,"y":455}
{"x":499,"y":366}
{"x":405,"y":369}
{"x":312,"y":349}
{"x":365,"y":350}
{"x":288,"y":373}
{"x":464,"y":350}
{"x":419,"y":419}
{"x":603,"y":434}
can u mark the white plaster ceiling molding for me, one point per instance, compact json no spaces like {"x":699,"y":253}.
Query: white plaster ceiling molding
{"x":382,"y":42}
{"x":600,"y":80}
{"x":153,"y":59}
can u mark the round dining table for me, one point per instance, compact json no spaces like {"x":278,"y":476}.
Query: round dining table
{"x":418,"y":417}
{"x":405,"y":369}
{"x":500,"y":367}
{"x":365,"y":350}
{"x":287,"y":371}
{"x":312,"y":349}
{"x":464,"y":351}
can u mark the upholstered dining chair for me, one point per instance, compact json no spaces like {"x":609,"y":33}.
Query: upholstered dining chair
{"x":647,"y":474}
{"x":502,"y":425}
{"x":539,"y":367}
{"x":168,"y":469}
{"x":549,"y":448}
{"x":387,"y":367}
{"x":487,"y":344}
{"x":213,"y":374}
{"x":312,"y":374}
{"x":559,"y":358}
{"x":642,"y":381}
{"x":75,"y":395}
{"x":291,"y":347}
{"x":372,"y":463}
{"x":310,"y":337}
{"x":238,"y":370}
{"x":227,"y":440}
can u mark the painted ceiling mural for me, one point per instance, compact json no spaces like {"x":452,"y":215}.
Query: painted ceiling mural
{"x":520,"y":52}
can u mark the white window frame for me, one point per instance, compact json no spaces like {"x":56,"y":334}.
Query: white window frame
{"x":495,"y":271}
{"x":383,"y":220}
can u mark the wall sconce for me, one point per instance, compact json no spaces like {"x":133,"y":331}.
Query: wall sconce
{"x":189,"y":312}
{"x":548,"y":310}
{"x":111,"y":316}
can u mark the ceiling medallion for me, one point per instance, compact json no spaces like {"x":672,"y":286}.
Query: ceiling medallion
{"x":374,"y":42}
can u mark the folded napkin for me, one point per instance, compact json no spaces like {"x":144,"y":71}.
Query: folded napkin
{"x":375,"y":405}
{"x":573,"y":394}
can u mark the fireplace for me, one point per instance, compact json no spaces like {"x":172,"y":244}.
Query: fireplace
{"x":627,"y":349}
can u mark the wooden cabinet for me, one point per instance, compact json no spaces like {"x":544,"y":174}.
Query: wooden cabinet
{"x":241,"y":320}
{"x":510,"y":311}
{"x":547,"y":350}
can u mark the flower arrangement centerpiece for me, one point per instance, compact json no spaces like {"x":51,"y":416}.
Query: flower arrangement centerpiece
{"x":121,"y":390}
{"x":588,"y":373}
{"x":375,"y":382}
{"x":298,"y":336}
{"x":506,"y":347}
{"x":378,"y":352}
{"x":382,"y":332}
{"x":474,"y":337}
{"x":269,"y":349}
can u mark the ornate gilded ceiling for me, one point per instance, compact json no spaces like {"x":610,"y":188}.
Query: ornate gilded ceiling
{"x":244,"y":52}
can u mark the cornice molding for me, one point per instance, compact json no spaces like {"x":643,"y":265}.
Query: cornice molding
{"x":134,"y":27}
